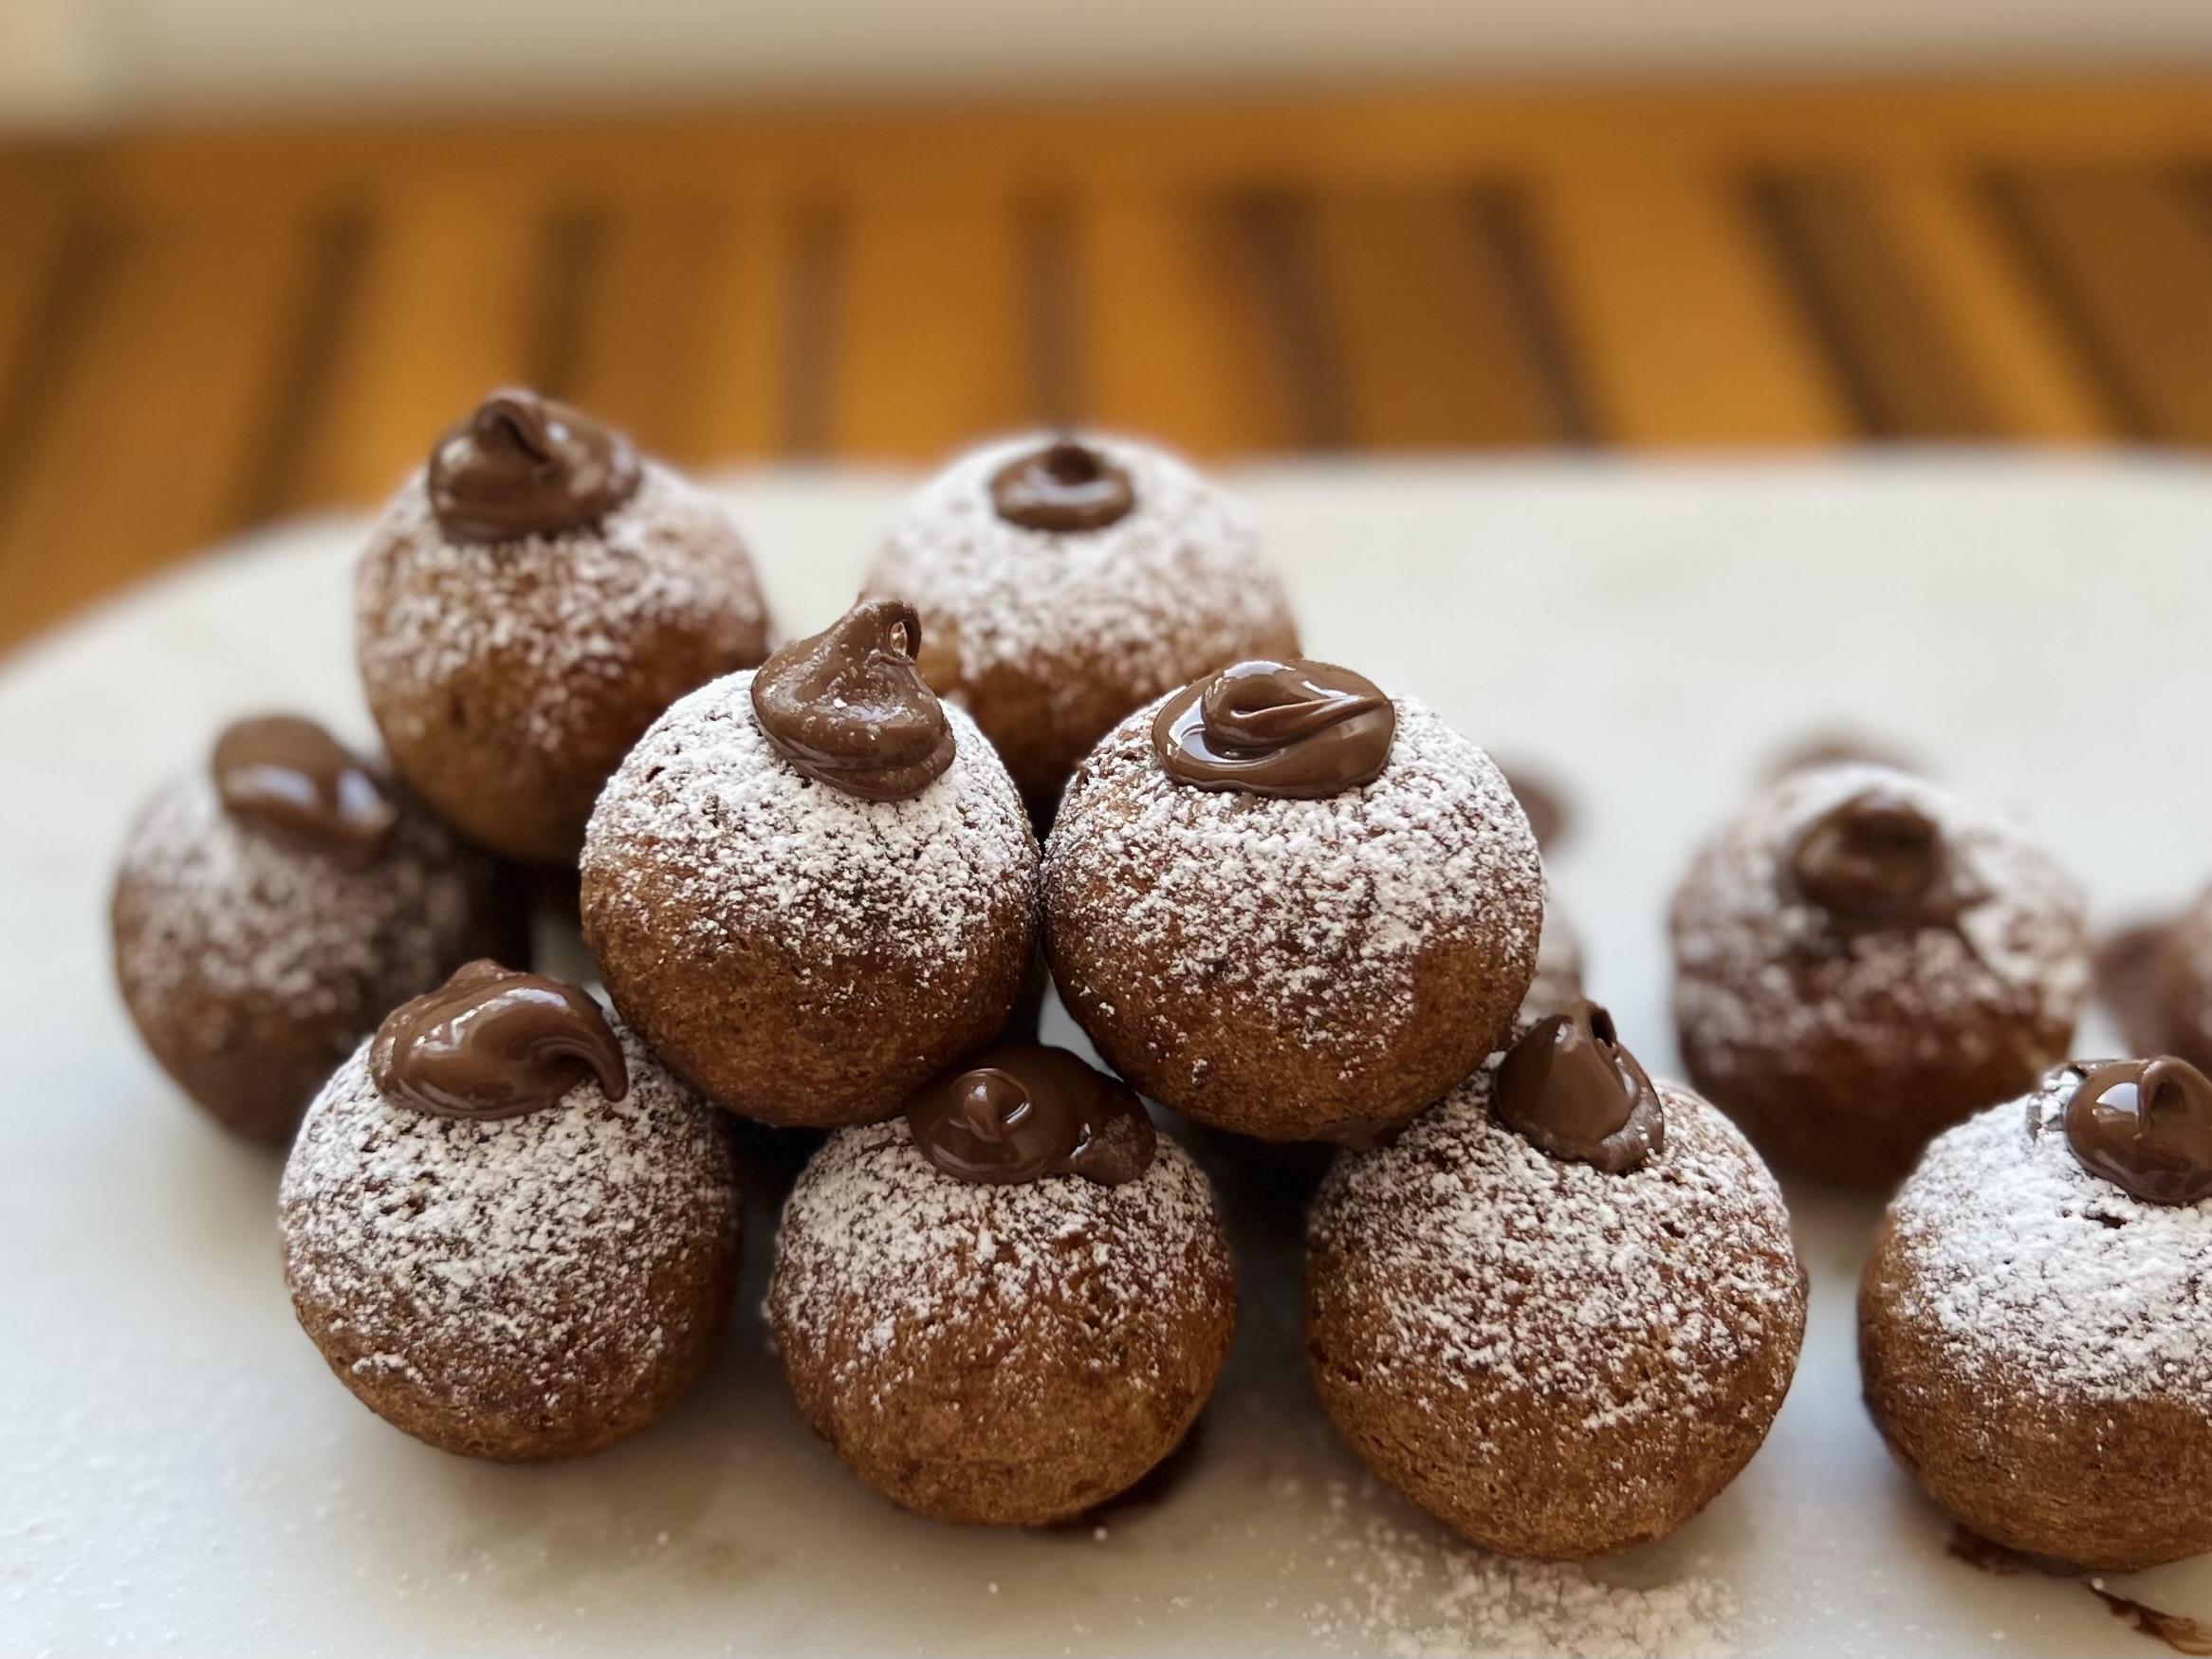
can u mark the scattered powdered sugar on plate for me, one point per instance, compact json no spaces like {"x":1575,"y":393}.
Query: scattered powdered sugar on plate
{"x":1611,"y":1299}
{"x":878,"y":1248}
{"x":473,"y":1258}
{"x":2019,"y":948}
{"x":709,"y":817}
{"x":1407,"y":1587}
{"x":225,"y":912}
{"x":2017,"y":1255}
{"x":1175,"y":588}
{"x":1312,"y":911}
{"x":561,"y":612}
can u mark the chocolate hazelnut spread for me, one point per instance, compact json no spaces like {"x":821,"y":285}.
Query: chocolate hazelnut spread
{"x":521,"y":465}
{"x":848,"y":706}
{"x":1876,"y":861}
{"x":289,"y":777}
{"x":1064,"y":487}
{"x":1296,"y":728}
{"x":1021,"y":1111}
{"x":491,"y":1043}
{"x":1569,"y":1086}
{"x":2146,"y":1126}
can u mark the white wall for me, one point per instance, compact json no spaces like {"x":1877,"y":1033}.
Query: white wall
{"x":83,"y":59}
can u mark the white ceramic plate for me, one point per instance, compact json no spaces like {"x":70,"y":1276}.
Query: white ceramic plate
{"x":180,"y":1472}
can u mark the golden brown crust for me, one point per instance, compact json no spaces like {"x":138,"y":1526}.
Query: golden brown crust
{"x":1861,"y":1117}
{"x":1286,"y":968}
{"x":2032,"y":1345}
{"x":1009,"y":1356}
{"x":1510,"y":1339}
{"x":2111,"y":1484}
{"x":251,"y":970}
{"x":801,"y":955}
{"x":551,"y":1282}
{"x":510,"y":680}
{"x":1048,"y":638}
{"x":1842,"y":1051}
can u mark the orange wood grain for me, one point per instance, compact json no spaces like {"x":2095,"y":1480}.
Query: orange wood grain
{"x":202,"y":325}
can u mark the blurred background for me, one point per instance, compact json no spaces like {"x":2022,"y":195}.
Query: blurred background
{"x":254,"y":255}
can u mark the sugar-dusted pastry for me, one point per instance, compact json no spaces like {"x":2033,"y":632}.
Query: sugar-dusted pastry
{"x":1863,"y":958}
{"x":1062,"y":581}
{"x":2035,"y":1319}
{"x":528,"y":602}
{"x":273,"y":906}
{"x":1562,"y":1310}
{"x":814,"y":888}
{"x":1009,"y":1303}
{"x":1289,"y":905}
{"x":509,"y":1230}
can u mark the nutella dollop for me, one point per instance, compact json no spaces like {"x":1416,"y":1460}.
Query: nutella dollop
{"x":848,"y":707}
{"x":2146,"y":1126}
{"x":1876,"y":861}
{"x":289,"y":777}
{"x":491,"y":1043}
{"x":1296,"y":728}
{"x":1570,"y":1087}
{"x":1021,"y":1111}
{"x":1065,"y":486}
{"x":522,"y":465}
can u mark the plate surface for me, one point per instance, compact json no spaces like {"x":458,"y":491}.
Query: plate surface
{"x":180,"y":1472}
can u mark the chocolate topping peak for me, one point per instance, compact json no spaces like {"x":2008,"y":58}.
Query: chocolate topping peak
{"x":1569,"y":1086}
{"x":1065,"y":486}
{"x":491,"y":1043}
{"x":848,"y":707}
{"x":1297,"y":729}
{"x":1021,"y":1111}
{"x":1876,"y":860}
{"x":289,"y":777}
{"x":522,"y":465}
{"x":2146,"y":1126}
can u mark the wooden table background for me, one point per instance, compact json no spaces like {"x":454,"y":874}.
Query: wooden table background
{"x":203,"y":329}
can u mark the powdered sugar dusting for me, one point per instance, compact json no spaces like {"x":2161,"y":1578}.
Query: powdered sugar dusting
{"x":562,"y":613}
{"x":2017,"y":1255}
{"x":473,"y":1258}
{"x":223,"y":912}
{"x":1404,"y":1588}
{"x":2019,"y":949}
{"x":879,"y":1249}
{"x":1311,"y":911}
{"x":1178,"y":587}
{"x":720,"y":826}
{"x":1614,"y":1300}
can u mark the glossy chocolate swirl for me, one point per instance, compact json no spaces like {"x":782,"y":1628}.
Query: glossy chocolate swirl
{"x":1569,"y":1086}
{"x":1021,"y":1111}
{"x":2146,"y":1126}
{"x":491,"y":1043}
{"x":522,"y":465}
{"x":1296,"y":728}
{"x":289,"y":779}
{"x":1065,"y":486}
{"x":1876,"y":861}
{"x":848,"y":706}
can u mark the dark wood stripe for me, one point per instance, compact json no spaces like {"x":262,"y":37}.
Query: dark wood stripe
{"x":1508,"y":226}
{"x":2124,"y":261}
{"x":1276,"y":230}
{"x":572,"y":267}
{"x":80,"y":274}
{"x":299,"y":403}
{"x":811,"y":296}
{"x":1053,"y":303}
{"x":1902,"y":374}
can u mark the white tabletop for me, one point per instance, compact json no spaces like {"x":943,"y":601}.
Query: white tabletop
{"x":178,"y":1471}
